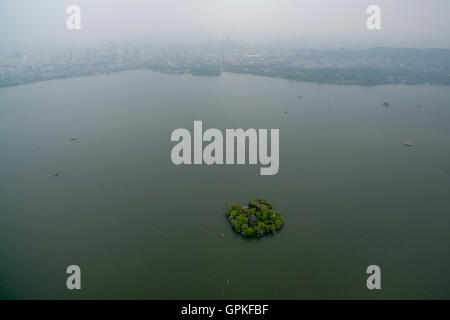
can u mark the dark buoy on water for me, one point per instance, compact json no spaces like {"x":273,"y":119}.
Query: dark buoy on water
{"x":385,"y":104}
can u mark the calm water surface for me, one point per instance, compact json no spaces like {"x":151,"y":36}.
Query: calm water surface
{"x":351,"y":193}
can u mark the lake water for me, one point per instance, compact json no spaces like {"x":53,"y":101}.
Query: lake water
{"x":351,"y":193}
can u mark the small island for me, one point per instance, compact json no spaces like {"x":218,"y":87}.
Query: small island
{"x":255,"y":220}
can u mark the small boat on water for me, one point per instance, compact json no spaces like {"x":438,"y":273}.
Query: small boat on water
{"x":228,"y":281}
{"x":222,"y":235}
{"x":408,"y":144}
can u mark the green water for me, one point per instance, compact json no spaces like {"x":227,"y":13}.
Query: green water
{"x":351,"y":193}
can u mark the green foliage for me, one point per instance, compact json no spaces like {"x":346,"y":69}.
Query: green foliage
{"x":255,"y":220}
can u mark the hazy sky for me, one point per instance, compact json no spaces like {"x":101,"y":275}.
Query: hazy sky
{"x":418,"y":23}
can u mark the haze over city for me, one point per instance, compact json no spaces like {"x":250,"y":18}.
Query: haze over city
{"x":321,"y":23}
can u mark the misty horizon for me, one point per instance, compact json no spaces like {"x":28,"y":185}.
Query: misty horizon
{"x":319,"y":24}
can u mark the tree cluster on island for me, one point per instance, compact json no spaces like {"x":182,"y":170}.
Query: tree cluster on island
{"x":255,"y":220}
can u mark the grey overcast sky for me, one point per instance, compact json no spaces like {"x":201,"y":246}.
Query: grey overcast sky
{"x":414,"y":23}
